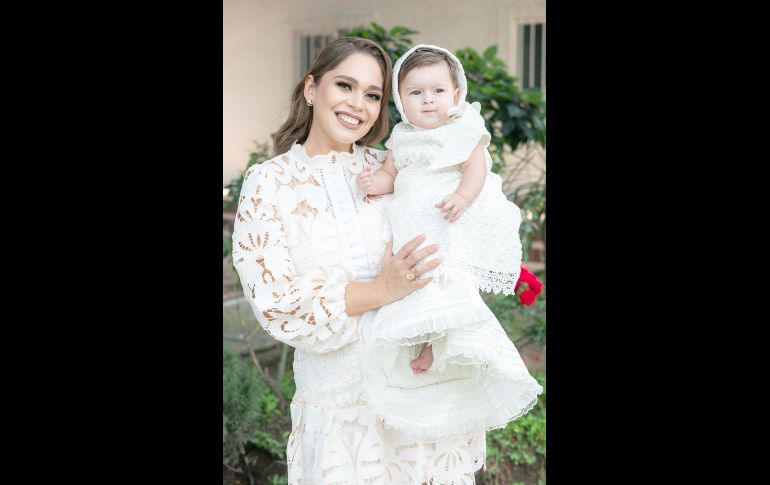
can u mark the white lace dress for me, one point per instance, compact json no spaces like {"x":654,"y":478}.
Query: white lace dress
{"x":303,"y":231}
{"x":478,"y":380}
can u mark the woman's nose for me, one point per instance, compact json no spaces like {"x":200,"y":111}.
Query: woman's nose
{"x":356,"y":100}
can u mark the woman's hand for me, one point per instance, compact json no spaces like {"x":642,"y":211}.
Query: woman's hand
{"x":394,"y":279}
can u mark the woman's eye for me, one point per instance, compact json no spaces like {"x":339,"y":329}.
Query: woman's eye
{"x":375,"y":97}
{"x":344,"y":85}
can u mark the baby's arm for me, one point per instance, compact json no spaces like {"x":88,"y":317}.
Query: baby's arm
{"x":474,"y":174}
{"x":381,"y":181}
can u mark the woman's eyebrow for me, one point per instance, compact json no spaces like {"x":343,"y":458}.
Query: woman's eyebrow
{"x":352,"y":80}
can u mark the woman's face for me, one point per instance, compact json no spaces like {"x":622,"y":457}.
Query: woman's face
{"x":346,"y":102}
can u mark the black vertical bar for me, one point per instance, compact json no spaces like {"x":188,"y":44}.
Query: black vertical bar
{"x":538,"y":55}
{"x":525,"y":73}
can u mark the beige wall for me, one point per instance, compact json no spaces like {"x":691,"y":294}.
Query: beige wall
{"x":261,"y":49}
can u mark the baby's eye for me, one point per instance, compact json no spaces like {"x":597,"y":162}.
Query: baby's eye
{"x":440,"y":90}
{"x":415,"y":92}
{"x":344,"y":85}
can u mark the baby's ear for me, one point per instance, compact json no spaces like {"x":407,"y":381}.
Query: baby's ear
{"x":457,"y":95}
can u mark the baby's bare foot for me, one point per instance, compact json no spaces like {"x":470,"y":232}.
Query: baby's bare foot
{"x":423,"y":361}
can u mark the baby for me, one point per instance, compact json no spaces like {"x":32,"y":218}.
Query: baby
{"x":468,"y":374}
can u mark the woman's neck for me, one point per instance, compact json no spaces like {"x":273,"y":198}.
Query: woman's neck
{"x":314,"y":145}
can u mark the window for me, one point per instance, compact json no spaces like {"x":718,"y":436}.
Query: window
{"x":532,"y":55}
{"x":311,"y":45}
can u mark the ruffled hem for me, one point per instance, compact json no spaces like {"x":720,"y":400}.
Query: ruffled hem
{"x":488,"y":281}
{"x":452,"y":428}
{"x":450,"y":301}
{"x":477,"y":382}
{"x":501,"y":395}
{"x":431,"y":328}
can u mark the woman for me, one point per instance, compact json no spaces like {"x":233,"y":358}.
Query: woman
{"x":308,"y":247}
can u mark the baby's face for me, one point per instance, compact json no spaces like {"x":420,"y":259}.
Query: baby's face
{"x":427,"y":93}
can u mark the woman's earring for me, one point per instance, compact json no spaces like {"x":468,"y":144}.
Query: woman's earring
{"x":309,"y":103}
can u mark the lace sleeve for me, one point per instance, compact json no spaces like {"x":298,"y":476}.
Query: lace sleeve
{"x":306,"y":311}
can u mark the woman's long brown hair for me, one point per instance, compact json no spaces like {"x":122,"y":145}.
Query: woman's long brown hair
{"x":297,"y":126}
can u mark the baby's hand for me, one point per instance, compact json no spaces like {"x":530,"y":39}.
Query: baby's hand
{"x":453,"y":204}
{"x":365,"y":180}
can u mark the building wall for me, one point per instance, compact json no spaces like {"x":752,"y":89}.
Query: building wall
{"x":261,"y":50}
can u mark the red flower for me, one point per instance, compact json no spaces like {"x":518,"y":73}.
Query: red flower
{"x":536,"y":286}
{"x":532,"y":288}
{"x":531,"y":280}
{"x":527,"y":297}
{"x":526,"y":275}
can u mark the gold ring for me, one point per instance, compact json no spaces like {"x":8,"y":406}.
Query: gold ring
{"x":410,"y":276}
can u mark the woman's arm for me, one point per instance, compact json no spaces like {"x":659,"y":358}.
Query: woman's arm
{"x":310,"y":311}
{"x":305,"y":310}
{"x":392,"y":283}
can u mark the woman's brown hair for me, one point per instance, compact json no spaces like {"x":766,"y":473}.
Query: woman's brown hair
{"x":297,"y":126}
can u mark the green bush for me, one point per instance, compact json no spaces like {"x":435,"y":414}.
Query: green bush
{"x":276,"y":479}
{"x":514,"y":116}
{"x":259,"y":155}
{"x":521,"y":444}
{"x":288,"y":386}
{"x":227,"y":245}
{"x":530,"y":198}
{"x":519,"y":321}
{"x":248,"y":404}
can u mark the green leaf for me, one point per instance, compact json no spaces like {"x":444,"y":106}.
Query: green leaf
{"x":488,"y":90}
{"x":515,"y":112}
{"x":532,"y":96}
{"x":490,"y":53}
{"x":399,"y":30}
{"x":378,"y":28}
{"x":529,"y":133}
